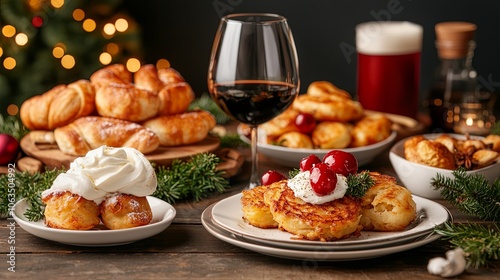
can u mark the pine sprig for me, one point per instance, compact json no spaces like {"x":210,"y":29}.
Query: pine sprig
{"x":194,"y":178}
{"x":480,"y":242}
{"x":359,"y":184}
{"x":13,"y":126}
{"x":470,"y":193}
{"x":206,"y":103}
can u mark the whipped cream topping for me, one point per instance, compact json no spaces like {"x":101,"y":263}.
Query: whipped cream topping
{"x":106,"y":171}
{"x":301,"y":186}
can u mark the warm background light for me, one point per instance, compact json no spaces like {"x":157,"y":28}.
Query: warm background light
{"x":9,"y":63}
{"x":21,"y":39}
{"x":133,"y":64}
{"x":68,"y":61}
{"x":89,"y":25}
{"x":58,"y":52}
{"x":112,"y":48}
{"x":105,"y":58}
{"x":78,"y":14}
{"x":12,"y":109}
{"x":8,"y":31}
{"x":109,"y":29}
{"x":57,"y":3}
{"x":121,"y":25}
{"x":1,"y":51}
{"x":162,"y":63}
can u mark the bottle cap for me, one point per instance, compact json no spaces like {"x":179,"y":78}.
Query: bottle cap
{"x":454,"y":38}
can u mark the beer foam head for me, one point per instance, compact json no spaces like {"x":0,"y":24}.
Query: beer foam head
{"x":388,"y":38}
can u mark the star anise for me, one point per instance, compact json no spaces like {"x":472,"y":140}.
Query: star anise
{"x":465,"y":158}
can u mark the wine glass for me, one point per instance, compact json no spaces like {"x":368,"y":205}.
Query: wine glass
{"x":253,"y":74}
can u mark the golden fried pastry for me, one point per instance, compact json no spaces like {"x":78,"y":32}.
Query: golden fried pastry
{"x":435,"y":154}
{"x":450,"y":142}
{"x":410,"y":148}
{"x":327,"y":108}
{"x":332,"y":135}
{"x":494,"y":141}
{"x":255,"y":211}
{"x":65,"y":210}
{"x":325,"y":222}
{"x":318,"y":88}
{"x":386,"y":205}
{"x":182,"y":129}
{"x":282,"y":124}
{"x":484,"y":157}
{"x":125,"y":211}
{"x":371,"y":129}
{"x":294,"y":139}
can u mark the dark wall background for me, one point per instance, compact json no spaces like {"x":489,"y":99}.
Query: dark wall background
{"x":182,"y":32}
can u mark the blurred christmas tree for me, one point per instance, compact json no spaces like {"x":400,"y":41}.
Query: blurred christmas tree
{"x":48,"y":42}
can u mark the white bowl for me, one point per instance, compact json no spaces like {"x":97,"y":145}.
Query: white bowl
{"x":417,"y":177}
{"x":291,"y":157}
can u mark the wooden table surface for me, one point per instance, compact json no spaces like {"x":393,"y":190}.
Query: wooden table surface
{"x":185,"y":250}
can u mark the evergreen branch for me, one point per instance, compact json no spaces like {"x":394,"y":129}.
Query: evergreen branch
{"x":480,"y":243}
{"x":495,"y":129}
{"x":232,"y":140}
{"x":13,"y":126}
{"x":359,"y":184}
{"x":470,"y":193}
{"x":195,"y":178}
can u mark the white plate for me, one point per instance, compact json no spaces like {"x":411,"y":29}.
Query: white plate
{"x":311,"y":255}
{"x":291,"y":157}
{"x":163,"y":215}
{"x":228,"y":214}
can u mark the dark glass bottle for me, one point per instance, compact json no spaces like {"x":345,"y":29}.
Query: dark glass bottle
{"x":454,"y":76}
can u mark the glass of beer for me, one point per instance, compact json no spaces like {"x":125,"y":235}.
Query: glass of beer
{"x":388,"y":70}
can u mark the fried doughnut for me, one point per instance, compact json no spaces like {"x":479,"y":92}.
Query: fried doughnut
{"x":65,"y":210}
{"x":255,"y":211}
{"x":332,"y":135}
{"x":182,"y":129}
{"x":125,"y":211}
{"x":328,"y":108}
{"x":280,"y":125}
{"x":295,"y":139}
{"x":449,"y":142}
{"x":386,"y":205}
{"x":325,"y":222}
{"x":410,"y":148}
{"x":371,"y":129}
{"x":494,"y":141}
{"x":435,"y":154}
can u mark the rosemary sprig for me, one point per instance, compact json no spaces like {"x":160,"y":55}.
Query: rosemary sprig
{"x":470,"y":193}
{"x":480,"y":242}
{"x":195,"y":178}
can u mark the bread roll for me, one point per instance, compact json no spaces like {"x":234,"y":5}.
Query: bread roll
{"x":59,"y":106}
{"x":182,"y":129}
{"x":92,"y":132}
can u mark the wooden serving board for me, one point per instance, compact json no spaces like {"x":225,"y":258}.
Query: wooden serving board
{"x":40,"y":145}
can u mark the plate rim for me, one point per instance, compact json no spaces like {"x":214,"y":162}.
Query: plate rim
{"x":163,"y":218}
{"x":392,"y":237}
{"x":313,"y":255}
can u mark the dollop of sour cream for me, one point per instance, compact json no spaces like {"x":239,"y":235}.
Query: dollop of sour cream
{"x":106,"y":171}
{"x":301,"y":186}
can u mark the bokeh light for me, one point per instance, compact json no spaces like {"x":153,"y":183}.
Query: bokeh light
{"x":1,"y":51}
{"x":78,"y":14}
{"x":133,"y":64}
{"x":8,"y":31}
{"x":9,"y":63}
{"x":112,"y":48}
{"x":21,"y":39}
{"x":57,"y":3}
{"x":105,"y":58}
{"x":162,"y":63}
{"x":58,"y":52}
{"x":109,"y":29}
{"x":12,"y":109}
{"x":68,"y":61}
{"x":121,"y":25}
{"x":89,"y":25}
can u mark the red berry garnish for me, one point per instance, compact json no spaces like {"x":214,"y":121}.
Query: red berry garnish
{"x":308,"y":162}
{"x":341,"y":162}
{"x":272,"y":176}
{"x":305,"y":123}
{"x":323,"y":179}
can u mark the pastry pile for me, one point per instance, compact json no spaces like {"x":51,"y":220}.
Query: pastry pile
{"x":108,"y":185}
{"x":340,"y":121}
{"x":385,"y":207}
{"x":448,"y":152}
{"x":142,"y":110}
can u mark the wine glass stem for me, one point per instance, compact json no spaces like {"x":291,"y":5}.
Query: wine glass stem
{"x":254,"y":177}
